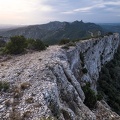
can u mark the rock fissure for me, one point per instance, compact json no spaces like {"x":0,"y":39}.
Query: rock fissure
{"x":57,"y":80}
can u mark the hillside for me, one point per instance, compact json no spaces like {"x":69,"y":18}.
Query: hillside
{"x":111,"y":27}
{"x":53,"y":32}
{"x":50,"y":83}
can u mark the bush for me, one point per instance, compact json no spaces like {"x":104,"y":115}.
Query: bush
{"x":71,"y":44}
{"x":100,"y":96}
{"x":35,"y":44}
{"x":90,"y":97}
{"x":84,"y":70}
{"x":109,"y":33}
{"x":4,"y":86}
{"x":2,"y":43}
{"x":82,"y":57}
{"x":39,"y":45}
{"x":109,"y":83}
{"x":16,"y":45}
{"x":64,"y":41}
{"x":65,"y":47}
{"x":30,"y":43}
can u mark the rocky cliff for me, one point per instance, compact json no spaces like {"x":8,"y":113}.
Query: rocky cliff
{"x":49,"y":83}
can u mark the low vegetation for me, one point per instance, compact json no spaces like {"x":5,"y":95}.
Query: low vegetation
{"x":109,"y":82}
{"x":19,"y":44}
{"x":64,"y":41}
{"x":90,"y":96}
{"x":48,"y":118}
{"x":82,"y":57}
{"x":109,"y":33}
{"x":29,"y":100}
{"x":15,"y":115}
{"x":16,"y":45}
{"x":35,"y":44}
{"x":4,"y":86}
{"x":25,"y":85}
{"x":2,"y":43}
{"x":84,"y":70}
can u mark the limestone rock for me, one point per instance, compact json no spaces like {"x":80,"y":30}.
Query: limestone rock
{"x":55,"y":77}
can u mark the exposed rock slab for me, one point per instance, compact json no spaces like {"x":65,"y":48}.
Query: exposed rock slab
{"x":51,"y":80}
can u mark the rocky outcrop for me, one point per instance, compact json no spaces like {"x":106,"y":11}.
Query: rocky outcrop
{"x":48,"y":83}
{"x":103,"y":112}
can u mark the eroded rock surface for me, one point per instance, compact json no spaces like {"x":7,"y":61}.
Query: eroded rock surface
{"x":48,"y":83}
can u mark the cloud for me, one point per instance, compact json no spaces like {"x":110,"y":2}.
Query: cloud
{"x":84,"y":9}
{"x":117,"y":3}
{"x":97,"y":5}
{"x":42,"y":11}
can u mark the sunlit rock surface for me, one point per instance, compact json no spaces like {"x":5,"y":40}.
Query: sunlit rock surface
{"x":49,"y":83}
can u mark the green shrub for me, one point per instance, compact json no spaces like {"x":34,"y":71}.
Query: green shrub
{"x":16,"y":45}
{"x":100,"y":95}
{"x":84,"y":70}
{"x":82,"y":57}
{"x":2,"y":43}
{"x":36,"y":44}
{"x":30,"y":43}
{"x":47,"y":45}
{"x":90,"y":96}
{"x":2,"y":51}
{"x":71,"y":44}
{"x":39,"y":45}
{"x":109,"y":83}
{"x":65,"y":47}
{"x":4,"y":86}
{"x":109,"y":33}
{"x":64,"y":41}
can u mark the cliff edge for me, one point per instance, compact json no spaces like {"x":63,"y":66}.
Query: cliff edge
{"x":49,"y":83}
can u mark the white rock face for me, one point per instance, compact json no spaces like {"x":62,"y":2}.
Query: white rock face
{"x":54,"y":78}
{"x":96,"y":53}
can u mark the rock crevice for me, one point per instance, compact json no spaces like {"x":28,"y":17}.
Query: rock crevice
{"x":55,"y":78}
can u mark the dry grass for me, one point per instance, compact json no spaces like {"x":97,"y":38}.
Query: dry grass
{"x":26,"y":114}
{"x":17,"y":92}
{"x":15,"y":115}
{"x":7,"y":103}
{"x":25,"y":85}
{"x":29,"y":100}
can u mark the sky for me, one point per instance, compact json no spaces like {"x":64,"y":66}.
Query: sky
{"x":25,"y":12}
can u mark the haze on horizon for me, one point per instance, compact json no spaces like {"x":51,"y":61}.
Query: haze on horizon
{"x":27,"y":12}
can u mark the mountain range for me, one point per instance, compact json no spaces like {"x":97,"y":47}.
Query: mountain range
{"x":53,"y":32}
{"x":113,"y":27}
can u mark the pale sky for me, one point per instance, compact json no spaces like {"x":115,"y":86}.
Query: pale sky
{"x":43,"y":11}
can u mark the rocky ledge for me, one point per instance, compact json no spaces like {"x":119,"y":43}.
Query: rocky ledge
{"x":48,"y":84}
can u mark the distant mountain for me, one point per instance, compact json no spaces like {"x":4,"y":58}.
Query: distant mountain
{"x":53,"y":32}
{"x":111,"y":27}
{"x":7,"y":27}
